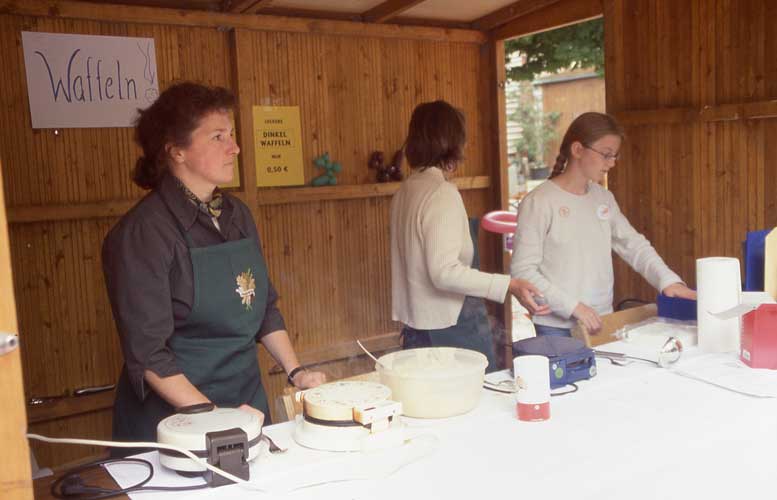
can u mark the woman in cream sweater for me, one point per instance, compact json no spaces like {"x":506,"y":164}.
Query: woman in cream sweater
{"x":436,"y":293}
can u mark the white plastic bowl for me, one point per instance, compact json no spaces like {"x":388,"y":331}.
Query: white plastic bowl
{"x":434,"y":382}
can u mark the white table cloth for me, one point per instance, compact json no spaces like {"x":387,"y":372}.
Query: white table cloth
{"x":632,"y":432}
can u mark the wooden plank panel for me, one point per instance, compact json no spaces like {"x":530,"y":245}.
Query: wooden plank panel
{"x":73,"y":165}
{"x":703,"y":137}
{"x":93,"y":425}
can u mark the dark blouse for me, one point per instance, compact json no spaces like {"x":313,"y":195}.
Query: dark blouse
{"x":148,"y":273}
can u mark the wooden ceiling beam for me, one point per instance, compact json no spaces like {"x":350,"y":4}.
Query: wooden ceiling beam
{"x":210,"y":5}
{"x":507,"y":14}
{"x":388,"y":10}
{"x":437,"y":23}
{"x":246,"y":6}
{"x":311,"y":13}
{"x":59,"y":9}
{"x":559,"y":14}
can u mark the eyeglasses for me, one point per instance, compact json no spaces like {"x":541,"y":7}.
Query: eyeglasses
{"x":606,"y":156}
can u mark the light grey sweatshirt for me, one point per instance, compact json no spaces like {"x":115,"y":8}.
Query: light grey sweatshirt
{"x":564,"y":243}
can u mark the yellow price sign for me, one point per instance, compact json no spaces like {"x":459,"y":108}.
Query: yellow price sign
{"x":278,"y":143}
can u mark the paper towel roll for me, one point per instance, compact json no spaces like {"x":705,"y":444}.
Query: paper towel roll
{"x":718,"y":286}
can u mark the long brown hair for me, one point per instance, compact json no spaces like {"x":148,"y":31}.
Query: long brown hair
{"x":585,"y":129}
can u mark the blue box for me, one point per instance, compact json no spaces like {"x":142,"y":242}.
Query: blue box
{"x":754,"y":260}
{"x":676,"y":308}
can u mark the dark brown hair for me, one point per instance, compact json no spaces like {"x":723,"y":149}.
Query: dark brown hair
{"x":585,"y":129}
{"x":171,"y":119}
{"x":436,"y":136}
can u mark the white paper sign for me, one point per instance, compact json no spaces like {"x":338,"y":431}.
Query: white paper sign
{"x":88,"y":81}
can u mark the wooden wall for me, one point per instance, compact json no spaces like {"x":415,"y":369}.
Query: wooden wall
{"x":693,"y":82}
{"x":327,"y":248}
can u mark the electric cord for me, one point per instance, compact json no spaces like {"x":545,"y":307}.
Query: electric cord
{"x":508,"y":387}
{"x":70,"y":485}
{"x":79,"y":488}
{"x":574,"y":388}
{"x":160,"y":446}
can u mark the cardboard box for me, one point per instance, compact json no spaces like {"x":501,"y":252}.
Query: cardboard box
{"x":613,"y":322}
{"x":759,"y":337}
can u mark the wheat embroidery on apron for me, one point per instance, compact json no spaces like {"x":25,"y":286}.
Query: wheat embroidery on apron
{"x":245,"y":288}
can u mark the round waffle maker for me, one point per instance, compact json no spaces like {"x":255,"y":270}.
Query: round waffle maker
{"x":348,"y":416}
{"x":226,"y":437}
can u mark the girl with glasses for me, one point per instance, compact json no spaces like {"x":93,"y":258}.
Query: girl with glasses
{"x":569,"y":226}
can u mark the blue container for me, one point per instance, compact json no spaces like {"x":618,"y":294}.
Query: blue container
{"x":754,"y":260}
{"x":676,"y":308}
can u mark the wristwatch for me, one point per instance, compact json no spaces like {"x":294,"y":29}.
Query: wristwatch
{"x":294,"y":372}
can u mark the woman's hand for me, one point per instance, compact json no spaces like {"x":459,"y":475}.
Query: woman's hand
{"x":251,"y":409}
{"x":525,"y":292}
{"x":305,"y":379}
{"x":588,"y":317}
{"x":679,"y":290}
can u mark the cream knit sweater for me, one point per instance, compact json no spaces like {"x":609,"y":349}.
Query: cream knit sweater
{"x":564,"y":244}
{"x":431,"y":254}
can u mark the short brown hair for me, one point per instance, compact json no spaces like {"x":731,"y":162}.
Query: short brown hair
{"x":436,"y":136}
{"x":171,"y":119}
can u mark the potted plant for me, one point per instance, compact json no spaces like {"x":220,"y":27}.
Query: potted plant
{"x":538,"y":129}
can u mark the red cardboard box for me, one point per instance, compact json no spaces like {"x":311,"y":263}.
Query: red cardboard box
{"x":758,"y":344}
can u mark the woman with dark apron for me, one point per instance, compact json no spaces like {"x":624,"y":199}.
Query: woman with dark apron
{"x":185,"y":274}
{"x":436,"y":293}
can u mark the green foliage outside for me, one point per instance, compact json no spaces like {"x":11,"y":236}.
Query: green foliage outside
{"x":572,"y":47}
{"x":576,"y":46}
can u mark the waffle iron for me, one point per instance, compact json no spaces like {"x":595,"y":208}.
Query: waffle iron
{"x":348,"y":416}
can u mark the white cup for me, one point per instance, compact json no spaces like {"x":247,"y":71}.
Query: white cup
{"x":532,"y":381}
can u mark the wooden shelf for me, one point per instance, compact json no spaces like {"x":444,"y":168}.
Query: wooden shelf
{"x":306,"y":194}
{"x":758,"y":110}
{"x":265,"y":196}
{"x":70,"y":406}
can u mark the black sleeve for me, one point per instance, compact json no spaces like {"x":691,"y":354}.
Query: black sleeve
{"x":137,"y":258}
{"x":273,"y":320}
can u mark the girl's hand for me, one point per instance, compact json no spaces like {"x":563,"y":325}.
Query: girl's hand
{"x":305,"y":379}
{"x":251,"y":409}
{"x":679,"y":290}
{"x":529,"y":297}
{"x":588,"y":317}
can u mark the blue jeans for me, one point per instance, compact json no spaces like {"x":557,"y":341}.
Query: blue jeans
{"x":471,"y":331}
{"x":552,"y":331}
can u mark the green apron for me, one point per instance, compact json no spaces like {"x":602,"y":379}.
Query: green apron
{"x":215,"y":347}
